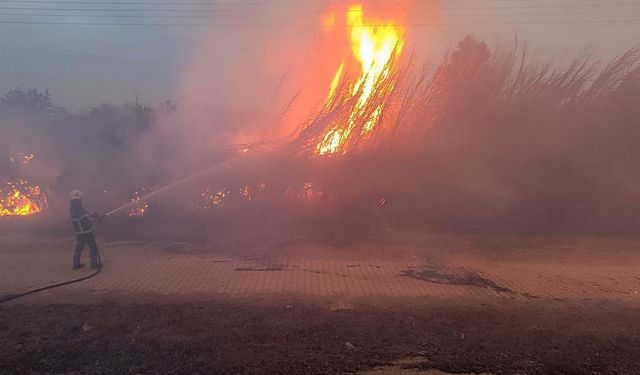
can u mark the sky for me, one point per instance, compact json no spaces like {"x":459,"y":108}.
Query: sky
{"x":58,"y":45}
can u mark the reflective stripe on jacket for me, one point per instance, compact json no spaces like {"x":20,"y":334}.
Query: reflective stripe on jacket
{"x":82,"y":224}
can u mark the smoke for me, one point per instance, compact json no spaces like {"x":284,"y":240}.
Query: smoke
{"x":490,"y":139}
{"x":507,"y":142}
{"x":480,"y":139}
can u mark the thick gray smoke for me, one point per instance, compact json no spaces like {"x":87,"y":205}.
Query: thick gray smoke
{"x":486,"y":140}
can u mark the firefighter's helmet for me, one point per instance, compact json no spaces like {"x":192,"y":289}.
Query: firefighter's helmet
{"x":76,"y":194}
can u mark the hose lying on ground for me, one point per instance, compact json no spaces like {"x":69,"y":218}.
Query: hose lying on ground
{"x":11,"y":297}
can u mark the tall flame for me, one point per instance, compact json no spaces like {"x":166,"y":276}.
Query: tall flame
{"x":374,"y":44}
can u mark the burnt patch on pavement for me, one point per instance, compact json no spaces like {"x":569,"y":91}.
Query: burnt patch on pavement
{"x":454,"y":277}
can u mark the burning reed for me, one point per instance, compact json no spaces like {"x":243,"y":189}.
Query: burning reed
{"x":486,"y":140}
{"x":497,"y":140}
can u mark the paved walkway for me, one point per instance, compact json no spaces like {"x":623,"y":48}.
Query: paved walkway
{"x":140,"y":271}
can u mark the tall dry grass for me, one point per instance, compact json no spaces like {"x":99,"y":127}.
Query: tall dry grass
{"x":495,"y":139}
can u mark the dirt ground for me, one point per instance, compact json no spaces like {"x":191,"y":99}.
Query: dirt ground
{"x":487,"y":321}
{"x":532,"y":337}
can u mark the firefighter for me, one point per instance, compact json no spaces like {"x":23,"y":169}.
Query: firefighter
{"x":82,"y":221}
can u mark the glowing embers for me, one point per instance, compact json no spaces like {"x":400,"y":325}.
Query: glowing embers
{"x":262,"y":194}
{"x":213,"y":198}
{"x":374,"y":45}
{"x":20,"y":198}
{"x":22,"y":158}
{"x":140,"y":207}
{"x":308,"y":193}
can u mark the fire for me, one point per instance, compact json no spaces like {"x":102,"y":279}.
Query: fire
{"x":22,"y":158}
{"x":19,"y":198}
{"x":374,"y":43}
{"x":218,"y":198}
{"x":334,"y":85}
{"x":140,"y":208}
{"x":311,"y":193}
{"x":214,"y":198}
{"x":245,"y":193}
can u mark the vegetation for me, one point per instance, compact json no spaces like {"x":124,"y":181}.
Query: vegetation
{"x":487,"y":140}
{"x":496,"y":140}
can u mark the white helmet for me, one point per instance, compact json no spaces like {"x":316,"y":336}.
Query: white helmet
{"x":76,"y":194}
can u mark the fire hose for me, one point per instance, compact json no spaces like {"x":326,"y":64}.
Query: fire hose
{"x":99,"y":219}
{"x":12,"y":297}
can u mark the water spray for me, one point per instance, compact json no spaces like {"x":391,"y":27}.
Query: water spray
{"x":165,"y":188}
{"x":243,"y":148}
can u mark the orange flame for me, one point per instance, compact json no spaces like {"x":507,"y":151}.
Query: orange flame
{"x":214,"y":198}
{"x":374,"y":44}
{"x":334,"y":85}
{"x":140,"y":208}
{"x":19,"y":198}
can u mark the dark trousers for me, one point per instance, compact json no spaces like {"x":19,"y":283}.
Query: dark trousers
{"x":88,"y":240}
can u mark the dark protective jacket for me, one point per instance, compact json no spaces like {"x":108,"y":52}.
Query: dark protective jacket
{"x":80,"y":218}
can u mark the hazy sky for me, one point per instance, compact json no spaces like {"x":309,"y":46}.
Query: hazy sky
{"x":84,"y":65}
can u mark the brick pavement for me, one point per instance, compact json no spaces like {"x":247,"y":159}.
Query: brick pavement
{"x":141,"y":270}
